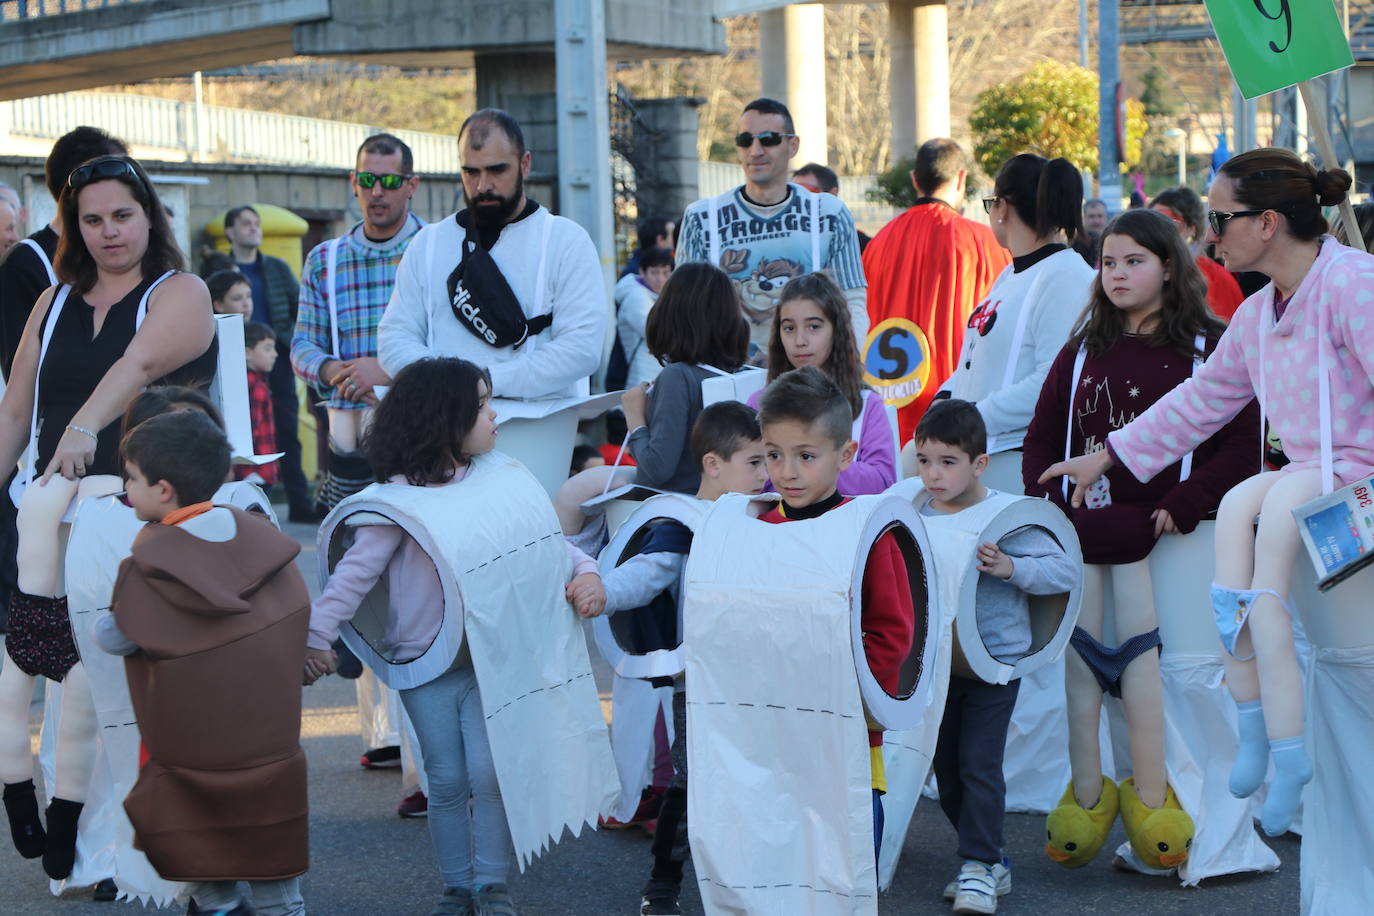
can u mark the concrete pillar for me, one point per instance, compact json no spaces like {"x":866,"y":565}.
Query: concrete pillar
{"x":918,"y":84}
{"x":932,"y":71}
{"x":665,"y":156}
{"x":524,"y":85}
{"x":792,"y":70}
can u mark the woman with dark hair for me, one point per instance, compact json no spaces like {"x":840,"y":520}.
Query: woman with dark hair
{"x":1305,"y":345}
{"x":1019,"y":327}
{"x":1146,"y":329}
{"x":121,"y":317}
{"x":1184,"y":207}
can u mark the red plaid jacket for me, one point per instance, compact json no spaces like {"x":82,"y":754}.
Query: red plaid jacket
{"x":264,"y":428}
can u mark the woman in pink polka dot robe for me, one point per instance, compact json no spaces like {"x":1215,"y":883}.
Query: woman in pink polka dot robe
{"x":1317,"y":313}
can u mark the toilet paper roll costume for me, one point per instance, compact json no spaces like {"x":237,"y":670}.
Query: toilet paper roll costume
{"x":102,"y":535}
{"x":953,"y":541}
{"x":501,"y":565}
{"x":68,"y":367}
{"x":778,"y":694}
{"x":1085,"y":397}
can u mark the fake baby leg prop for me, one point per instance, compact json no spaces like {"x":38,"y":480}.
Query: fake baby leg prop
{"x":1254,"y":573}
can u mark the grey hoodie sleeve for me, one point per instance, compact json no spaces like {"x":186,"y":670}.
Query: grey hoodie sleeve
{"x":635,"y":582}
{"x":1039,"y":565}
{"x":108,"y":637}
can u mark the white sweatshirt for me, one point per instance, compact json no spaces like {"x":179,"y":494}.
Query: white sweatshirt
{"x":419,"y":320}
{"x":1051,"y":294}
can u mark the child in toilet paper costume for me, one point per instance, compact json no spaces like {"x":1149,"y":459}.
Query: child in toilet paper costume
{"x":951,"y":455}
{"x":811,"y":327}
{"x":474,"y":616}
{"x":1305,"y":345}
{"x":729,"y":448}
{"x":806,"y":423}
{"x":697,"y":331}
{"x":211,"y":613}
{"x":1147,"y":329}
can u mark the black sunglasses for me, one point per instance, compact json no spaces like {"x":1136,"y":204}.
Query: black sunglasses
{"x":744,"y":139}
{"x":1218,"y":219}
{"x":83,"y":175}
{"x":989,"y":203}
{"x":390,"y":181}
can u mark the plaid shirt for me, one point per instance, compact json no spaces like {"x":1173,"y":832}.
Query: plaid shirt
{"x":264,"y":429}
{"x":366,"y":274}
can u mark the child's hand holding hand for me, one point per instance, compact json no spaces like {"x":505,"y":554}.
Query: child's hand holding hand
{"x":586,"y":595}
{"x":318,"y":663}
{"x":993,"y":561}
{"x":634,"y":402}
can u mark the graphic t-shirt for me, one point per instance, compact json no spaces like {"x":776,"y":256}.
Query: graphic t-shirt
{"x":761,"y":248}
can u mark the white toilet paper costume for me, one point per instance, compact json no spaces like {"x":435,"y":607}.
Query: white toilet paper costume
{"x":501,"y":564}
{"x":778,"y":694}
{"x":953,"y":540}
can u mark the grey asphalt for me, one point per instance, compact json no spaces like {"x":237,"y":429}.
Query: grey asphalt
{"x":366,"y":861}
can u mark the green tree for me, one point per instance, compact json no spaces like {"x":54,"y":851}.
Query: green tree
{"x":894,"y":186}
{"x":1050,"y":111}
{"x":1158,"y":96}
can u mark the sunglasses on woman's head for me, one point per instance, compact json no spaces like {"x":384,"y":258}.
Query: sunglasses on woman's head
{"x":83,"y":175}
{"x":766,"y":138}
{"x":390,"y":181}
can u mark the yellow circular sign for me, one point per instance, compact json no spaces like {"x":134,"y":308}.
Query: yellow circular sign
{"x":897,"y":361}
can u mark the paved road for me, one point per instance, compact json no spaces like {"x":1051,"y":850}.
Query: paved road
{"x":369,"y":862}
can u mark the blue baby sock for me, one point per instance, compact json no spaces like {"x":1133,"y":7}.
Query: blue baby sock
{"x":1252,"y":754}
{"x":1292,"y":770}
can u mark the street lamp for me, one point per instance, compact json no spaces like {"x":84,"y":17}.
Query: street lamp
{"x":1173,"y":133}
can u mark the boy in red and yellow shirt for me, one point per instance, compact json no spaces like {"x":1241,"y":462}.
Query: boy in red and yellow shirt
{"x":807,"y":424}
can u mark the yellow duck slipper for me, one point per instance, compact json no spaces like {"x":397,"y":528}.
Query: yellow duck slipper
{"x":1073,"y":835}
{"x":1161,"y":836}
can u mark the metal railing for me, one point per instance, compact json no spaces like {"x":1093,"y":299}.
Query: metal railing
{"x":214,"y":133}
{"x":15,"y":10}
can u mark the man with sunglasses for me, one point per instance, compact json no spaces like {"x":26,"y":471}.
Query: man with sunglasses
{"x":503,"y":282}
{"x":769,"y":230}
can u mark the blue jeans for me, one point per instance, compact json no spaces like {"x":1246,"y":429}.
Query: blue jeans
{"x":473,"y":848}
{"x":270,"y":898}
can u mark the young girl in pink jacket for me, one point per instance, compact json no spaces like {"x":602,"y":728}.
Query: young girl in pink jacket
{"x":1304,"y":345}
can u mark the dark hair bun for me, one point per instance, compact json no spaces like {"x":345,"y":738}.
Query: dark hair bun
{"x":1331,"y":186}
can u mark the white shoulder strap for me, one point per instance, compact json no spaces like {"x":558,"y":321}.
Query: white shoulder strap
{"x":147,"y":294}
{"x":331,"y":265}
{"x":1324,"y":401}
{"x":43,"y":259}
{"x":712,"y":235}
{"x":54,"y":312}
{"x":540,"y":293}
{"x":1073,"y":393}
{"x":1199,"y":347}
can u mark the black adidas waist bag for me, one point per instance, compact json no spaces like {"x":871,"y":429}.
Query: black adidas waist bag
{"x":484,"y":303}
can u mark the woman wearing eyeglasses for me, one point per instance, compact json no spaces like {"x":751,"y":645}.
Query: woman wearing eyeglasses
{"x":1304,"y":345}
{"x":121,"y":317}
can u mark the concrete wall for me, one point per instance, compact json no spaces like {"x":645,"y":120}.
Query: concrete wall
{"x":321,"y":196}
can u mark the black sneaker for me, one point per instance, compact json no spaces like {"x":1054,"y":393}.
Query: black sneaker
{"x":105,"y":890}
{"x":660,"y":901}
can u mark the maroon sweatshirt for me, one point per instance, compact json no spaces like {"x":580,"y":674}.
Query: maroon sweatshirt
{"x":1114,"y":523}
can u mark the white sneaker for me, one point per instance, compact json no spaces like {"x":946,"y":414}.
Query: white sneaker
{"x":977,"y":889}
{"x":1001,"y":871}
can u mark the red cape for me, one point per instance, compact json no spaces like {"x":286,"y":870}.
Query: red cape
{"x":926,"y":271}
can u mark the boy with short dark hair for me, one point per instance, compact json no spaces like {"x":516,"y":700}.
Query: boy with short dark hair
{"x":212,"y":615}
{"x":951,"y":455}
{"x":726,"y":444}
{"x":807,"y":425}
{"x":260,"y":352}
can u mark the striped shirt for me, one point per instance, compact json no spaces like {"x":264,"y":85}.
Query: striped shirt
{"x":366,"y":272}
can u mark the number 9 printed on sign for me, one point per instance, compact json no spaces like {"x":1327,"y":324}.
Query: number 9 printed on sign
{"x":897,"y":361}
{"x":1274,"y":44}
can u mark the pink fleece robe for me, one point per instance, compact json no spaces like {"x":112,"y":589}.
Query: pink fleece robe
{"x":416,"y":597}
{"x":1341,"y":281}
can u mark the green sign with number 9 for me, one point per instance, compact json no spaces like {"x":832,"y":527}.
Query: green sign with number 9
{"x":1274,"y":44}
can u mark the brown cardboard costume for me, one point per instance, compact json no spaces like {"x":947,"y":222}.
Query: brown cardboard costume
{"x":217,"y":691}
